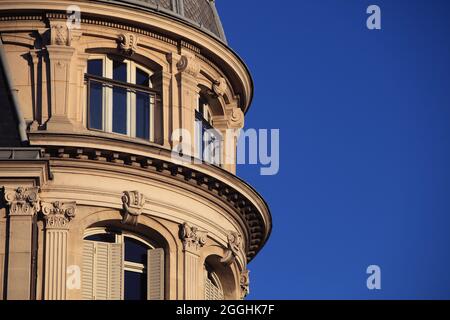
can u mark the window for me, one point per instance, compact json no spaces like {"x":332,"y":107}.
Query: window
{"x":213,"y":287}
{"x":121,"y":98}
{"x":208,"y":140}
{"x":120,"y":265}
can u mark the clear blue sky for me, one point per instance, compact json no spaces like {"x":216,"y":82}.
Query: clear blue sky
{"x":365,"y":136}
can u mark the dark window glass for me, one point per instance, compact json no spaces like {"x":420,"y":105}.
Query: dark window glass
{"x":96,"y":106}
{"x":142,"y":78}
{"x":135,"y":286}
{"x":119,"y":71}
{"x":135,"y":251}
{"x":95,"y":67}
{"x":143,"y":115}
{"x":120,"y":118}
{"x":102,"y":237}
{"x":120,"y":99}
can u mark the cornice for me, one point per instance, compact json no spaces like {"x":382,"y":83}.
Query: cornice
{"x":245,"y":201}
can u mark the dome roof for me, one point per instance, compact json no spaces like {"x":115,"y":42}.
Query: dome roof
{"x":200,"y":13}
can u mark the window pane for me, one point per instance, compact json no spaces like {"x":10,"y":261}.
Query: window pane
{"x":96,"y":106}
{"x":142,"y":78}
{"x":135,"y":286}
{"x":120,"y":99}
{"x":95,"y":67}
{"x":135,"y":251}
{"x":102,"y":237}
{"x":119,"y":71}
{"x":143,"y":115}
{"x":120,"y":110}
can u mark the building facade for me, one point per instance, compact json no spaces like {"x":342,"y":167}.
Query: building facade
{"x":101,"y":104}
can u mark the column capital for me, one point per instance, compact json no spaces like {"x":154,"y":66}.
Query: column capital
{"x":23,"y":201}
{"x":193,"y":239}
{"x":245,"y":283}
{"x":58,"y":215}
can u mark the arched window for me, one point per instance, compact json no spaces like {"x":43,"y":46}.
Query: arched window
{"x":208,"y":141}
{"x":213,"y":287}
{"x":121,"y":98}
{"x":121,"y":265}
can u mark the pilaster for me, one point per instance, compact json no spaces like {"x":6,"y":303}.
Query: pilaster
{"x":57,"y":217}
{"x":23,"y":204}
{"x":193,"y":240}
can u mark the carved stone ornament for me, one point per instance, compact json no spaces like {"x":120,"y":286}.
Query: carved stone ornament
{"x":219,"y":86}
{"x":132,"y":203}
{"x":193,"y":239}
{"x":60,"y":34}
{"x":237,"y":118}
{"x":128,"y":43}
{"x":234,"y":247}
{"x":188,"y":64}
{"x":58,"y":214}
{"x":245,"y":283}
{"x":23,"y":201}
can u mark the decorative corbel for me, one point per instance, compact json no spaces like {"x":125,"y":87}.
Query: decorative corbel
{"x":193,"y":239}
{"x":57,"y":214}
{"x":132,"y":204}
{"x":234,"y":247}
{"x":188,"y":64}
{"x":128,"y":43}
{"x":219,"y":87}
{"x":60,"y":34}
{"x":237,"y":119}
{"x":23,"y":201}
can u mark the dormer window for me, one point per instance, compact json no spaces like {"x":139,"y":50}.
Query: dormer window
{"x":207,"y":139}
{"x":121,"y":98}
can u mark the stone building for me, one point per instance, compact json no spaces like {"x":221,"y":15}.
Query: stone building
{"x":94,"y":204}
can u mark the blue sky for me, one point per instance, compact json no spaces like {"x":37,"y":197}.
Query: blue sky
{"x":364,"y":119}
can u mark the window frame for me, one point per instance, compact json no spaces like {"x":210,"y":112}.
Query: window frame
{"x":119,"y":238}
{"x":107,"y":96}
{"x":204,"y":123}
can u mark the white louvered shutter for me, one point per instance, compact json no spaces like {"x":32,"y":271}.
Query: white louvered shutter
{"x":115,"y":271}
{"x":87,"y":271}
{"x":101,"y":271}
{"x":155,"y":274}
{"x":102,"y":277}
{"x":212,"y":292}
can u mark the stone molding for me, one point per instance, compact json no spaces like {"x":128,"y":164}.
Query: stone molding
{"x":247,"y":211}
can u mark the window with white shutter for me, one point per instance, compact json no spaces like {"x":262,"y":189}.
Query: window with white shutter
{"x":102,"y":272}
{"x":155,"y":274}
{"x":119,"y":265}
